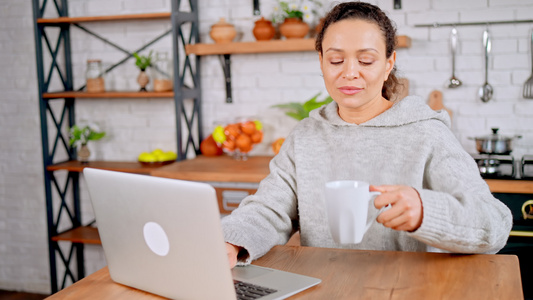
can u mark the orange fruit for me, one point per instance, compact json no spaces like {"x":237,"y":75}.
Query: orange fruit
{"x":276,"y":145}
{"x":232,"y":130}
{"x":248,"y":127}
{"x":229,"y":145}
{"x":209,"y":147}
{"x":244,"y":143}
{"x":257,"y":137}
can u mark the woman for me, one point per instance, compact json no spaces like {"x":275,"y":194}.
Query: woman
{"x":438,"y":200}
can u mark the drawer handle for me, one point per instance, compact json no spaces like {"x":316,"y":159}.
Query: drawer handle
{"x":232,"y":199}
{"x":527,"y":209}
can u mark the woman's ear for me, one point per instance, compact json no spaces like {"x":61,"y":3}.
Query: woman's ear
{"x":390,"y":65}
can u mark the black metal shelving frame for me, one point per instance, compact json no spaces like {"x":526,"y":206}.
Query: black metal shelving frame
{"x":68,"y":259}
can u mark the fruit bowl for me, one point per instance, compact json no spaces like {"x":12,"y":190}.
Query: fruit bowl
{"x":156,"y":163}
{"x":238,"y":138}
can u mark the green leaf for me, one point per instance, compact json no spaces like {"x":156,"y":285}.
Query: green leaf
{"x":296,"y":116}
{"x":94,"y":136}
{"x":300,"y":111}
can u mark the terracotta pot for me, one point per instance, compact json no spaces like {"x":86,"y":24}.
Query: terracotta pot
{"x":318,"y":26}
{"x":83,"y":154}
{"x":264,"y":30}
{"x":143,"y":80}
{"x":294,"y":28}
{"x":223,"y":32}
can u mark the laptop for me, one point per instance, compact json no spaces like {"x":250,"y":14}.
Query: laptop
{"x":164,"y":236}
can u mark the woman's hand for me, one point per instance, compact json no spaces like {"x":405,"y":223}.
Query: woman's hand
{"x":232,"y":251}
{"x":406,"y":212}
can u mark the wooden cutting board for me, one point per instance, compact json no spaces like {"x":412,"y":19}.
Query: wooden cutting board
{"x":435,"y":102}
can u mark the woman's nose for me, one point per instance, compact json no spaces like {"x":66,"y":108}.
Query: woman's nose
{"x":351,"y":70}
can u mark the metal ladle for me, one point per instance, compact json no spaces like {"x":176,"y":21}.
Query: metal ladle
{"x":486,"y":90}
{"x":454,"y":81}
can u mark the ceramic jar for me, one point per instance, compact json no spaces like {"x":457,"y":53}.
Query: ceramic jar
{"x":263,"y":30}
{"x":294,"y":28}
{"x":223,"y":32}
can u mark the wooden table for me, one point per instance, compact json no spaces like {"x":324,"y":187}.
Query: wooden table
{"x":355,"y":274}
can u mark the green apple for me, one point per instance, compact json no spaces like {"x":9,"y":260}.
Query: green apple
{"x":169,"y":156}
{"x":218,"y":134}
{"x":147,"y":157}
{"x":258,"y":125}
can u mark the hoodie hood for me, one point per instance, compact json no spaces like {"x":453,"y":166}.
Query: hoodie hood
{"x":409,"y":110}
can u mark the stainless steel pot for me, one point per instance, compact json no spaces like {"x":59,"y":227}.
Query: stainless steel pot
{"x":495,"y":143}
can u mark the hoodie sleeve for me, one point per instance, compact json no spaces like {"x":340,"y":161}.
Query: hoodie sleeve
{"x":460,"y":213}
{"x":266,"y":219}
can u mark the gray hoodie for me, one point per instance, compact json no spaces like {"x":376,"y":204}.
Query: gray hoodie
{"x":409,"y":144}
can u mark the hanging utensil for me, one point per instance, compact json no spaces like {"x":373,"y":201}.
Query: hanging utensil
{"x":454,"y":81}
{"x":528,"y":86}
{"x":486,"y":90}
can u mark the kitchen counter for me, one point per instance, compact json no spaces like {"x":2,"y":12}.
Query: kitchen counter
{"x":226,"y":169}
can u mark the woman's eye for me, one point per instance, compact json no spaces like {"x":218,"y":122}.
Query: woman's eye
{"x":336,"y":62}
{"x":365,"y":63}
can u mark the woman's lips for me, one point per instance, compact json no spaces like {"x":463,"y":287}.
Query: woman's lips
{"x":349,"y":90}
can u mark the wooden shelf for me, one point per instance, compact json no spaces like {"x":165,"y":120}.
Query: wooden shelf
{"x":510,"y":186}
{"x":70,"y":20}
{"x":84,"y":235}
{"x":128,"y":167}
{"x":108,"y":95}
{"x":272,"y":46}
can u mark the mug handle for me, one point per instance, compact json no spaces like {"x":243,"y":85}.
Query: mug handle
{"x":372,"y":197}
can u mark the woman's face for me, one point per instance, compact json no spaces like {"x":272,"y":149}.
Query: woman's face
{"x":354,"y":63}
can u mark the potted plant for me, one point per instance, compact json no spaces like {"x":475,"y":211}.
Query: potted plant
{"x":294,"y":16}
{"x":143,"y":62}
{"x":80,"y":136}
{"x":300,"y":111}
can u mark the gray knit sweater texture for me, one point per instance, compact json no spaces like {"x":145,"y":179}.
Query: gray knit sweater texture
{"x":409,"y":144}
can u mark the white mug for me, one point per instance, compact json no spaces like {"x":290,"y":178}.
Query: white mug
{"x":347,"y":209}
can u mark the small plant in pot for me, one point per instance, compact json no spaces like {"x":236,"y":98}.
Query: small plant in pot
{"x":143,"y":62}
{"x":299,"y":111}
{"x":80,"y":136}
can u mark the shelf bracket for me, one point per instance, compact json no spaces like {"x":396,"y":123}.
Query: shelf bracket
{"x":226,"y":67}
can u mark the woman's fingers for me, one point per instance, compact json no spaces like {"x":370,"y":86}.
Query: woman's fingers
{"x":406,"y":207}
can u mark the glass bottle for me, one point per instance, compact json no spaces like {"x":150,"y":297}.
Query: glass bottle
{"x":162,"y":72}
{"x":95,"y":76}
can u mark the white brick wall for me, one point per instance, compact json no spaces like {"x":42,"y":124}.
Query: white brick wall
{"x":259,"y":81}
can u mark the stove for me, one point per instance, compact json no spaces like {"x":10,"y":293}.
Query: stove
{"x":520,"y":242}
{"x":526,"y":168}
{"x":504,"y":166}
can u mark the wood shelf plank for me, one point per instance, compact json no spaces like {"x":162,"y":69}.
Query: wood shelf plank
{"x":510,"y":186}
{"x":272,"y":46}
{"x":70,"y":20}
{"x":127,"y":167}
{"x":83,"y":234}
{"x":73,"y":94}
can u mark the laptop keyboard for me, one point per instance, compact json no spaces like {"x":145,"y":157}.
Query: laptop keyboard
{"x":248,"y":291}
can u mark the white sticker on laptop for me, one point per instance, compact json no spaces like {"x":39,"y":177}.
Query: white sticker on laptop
{"x":156,"y":238}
